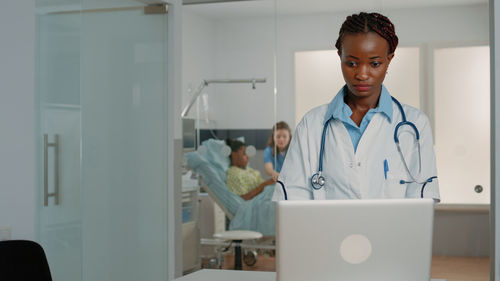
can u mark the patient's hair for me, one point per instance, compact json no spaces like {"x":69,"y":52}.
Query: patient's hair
{"x":369,"y":22}
{"x":235,"y":145}
{"x":281,"y":125}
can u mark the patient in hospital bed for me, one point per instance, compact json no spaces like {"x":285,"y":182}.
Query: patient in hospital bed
{"x":241,"y":179}
{"x":258,"y":213}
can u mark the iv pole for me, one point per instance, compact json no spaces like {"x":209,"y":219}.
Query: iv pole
{"x":205,"y":83}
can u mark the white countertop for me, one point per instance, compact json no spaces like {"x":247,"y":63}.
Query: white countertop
{"x":232,"y":275}
{"x":228,"y":275}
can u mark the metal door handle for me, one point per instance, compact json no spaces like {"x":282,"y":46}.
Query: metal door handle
{"x":46,"y":193}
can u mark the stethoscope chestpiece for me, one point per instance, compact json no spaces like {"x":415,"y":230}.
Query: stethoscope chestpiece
{"x":317,"y":181}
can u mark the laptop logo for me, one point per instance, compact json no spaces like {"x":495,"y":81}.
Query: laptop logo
{"x":355,"y":249}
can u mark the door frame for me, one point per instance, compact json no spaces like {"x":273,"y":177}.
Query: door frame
{"x":494,"y":11}
{"x":174,"y":139}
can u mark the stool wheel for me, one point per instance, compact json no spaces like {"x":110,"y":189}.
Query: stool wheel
{"x":250,"y":257}
{"x":237,"y":237}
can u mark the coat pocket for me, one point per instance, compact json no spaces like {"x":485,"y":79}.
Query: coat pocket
{"x":393,"y":187}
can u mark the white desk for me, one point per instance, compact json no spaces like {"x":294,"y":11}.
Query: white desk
{"x":228,"y":275}
{"x":232,"y":275}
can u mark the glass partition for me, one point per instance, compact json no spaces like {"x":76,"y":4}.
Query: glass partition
{"x":101,"y":87}
{"x":308,"y":75}
{"x":124,"y":145}
{"x":228,"y":93}
{"x":294,"y":44}
{"x":58,"y":139}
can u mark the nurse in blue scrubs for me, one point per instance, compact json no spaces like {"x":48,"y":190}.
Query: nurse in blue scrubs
{"x":277,"y":146}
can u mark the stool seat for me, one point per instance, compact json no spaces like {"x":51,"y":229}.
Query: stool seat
{"x":238,"y":235}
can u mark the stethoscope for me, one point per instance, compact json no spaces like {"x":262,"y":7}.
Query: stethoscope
{"x":318,"y":180}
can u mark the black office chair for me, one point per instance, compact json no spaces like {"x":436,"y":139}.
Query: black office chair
{"x":22,"y":260}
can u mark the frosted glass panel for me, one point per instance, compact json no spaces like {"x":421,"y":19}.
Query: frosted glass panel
{"x":60,"y":224}
{"x":124,"y":145}
{"x":58,"y":97}
{"x":59,"y":58}
{"x":318,"y":78}
{"x":462,"y":124}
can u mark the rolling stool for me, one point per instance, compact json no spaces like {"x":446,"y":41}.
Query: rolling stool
{"x":237,"y":236}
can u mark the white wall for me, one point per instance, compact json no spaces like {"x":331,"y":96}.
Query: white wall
{"x":236,"y":49}
{"x":17,"y":118}
{"x":245,"y":47}
{"x":198,"y":39}
{"x":414,"y":27}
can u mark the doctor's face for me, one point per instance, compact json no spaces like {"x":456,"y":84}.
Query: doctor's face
{"x":364,"y":61}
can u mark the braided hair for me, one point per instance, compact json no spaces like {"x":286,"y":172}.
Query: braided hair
{"x":369,"y":22}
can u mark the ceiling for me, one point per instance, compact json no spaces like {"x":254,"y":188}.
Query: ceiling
{"x":227,"y":9}
{"x":255,"y":8}
{"x":91,"y":4}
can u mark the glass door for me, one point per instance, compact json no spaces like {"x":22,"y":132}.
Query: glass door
{"x":101,"y":89}
{"x":59,"y":141}
{"x":124,"y":145}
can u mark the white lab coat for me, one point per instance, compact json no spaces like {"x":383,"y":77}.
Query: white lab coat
{"x":360,"y":174}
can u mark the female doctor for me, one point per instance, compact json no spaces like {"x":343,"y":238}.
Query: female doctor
{"x":364,"y":144}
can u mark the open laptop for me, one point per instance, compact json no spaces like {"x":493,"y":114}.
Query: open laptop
{"x":354,"y":240}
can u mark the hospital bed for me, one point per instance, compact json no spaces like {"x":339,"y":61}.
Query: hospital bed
{"x":257,"y":214}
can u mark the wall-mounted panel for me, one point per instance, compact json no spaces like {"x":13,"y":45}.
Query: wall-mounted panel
{"x":462,"y":123}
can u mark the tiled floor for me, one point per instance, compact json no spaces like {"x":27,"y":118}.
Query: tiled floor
{"x":449,"y":268}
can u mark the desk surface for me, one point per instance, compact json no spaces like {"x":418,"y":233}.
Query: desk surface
{"x":231,"y":275}
{"x":228,"y":275}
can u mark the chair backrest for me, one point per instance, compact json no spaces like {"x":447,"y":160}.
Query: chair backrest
{"x":22,"y":260}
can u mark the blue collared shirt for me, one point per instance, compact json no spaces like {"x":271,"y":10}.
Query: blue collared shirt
{"x":338,"y":109}
{"x":269,"y":158}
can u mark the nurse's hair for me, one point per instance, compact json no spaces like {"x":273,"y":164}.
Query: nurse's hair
{"x":281,"y":125}
{"x":369,"y":22}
